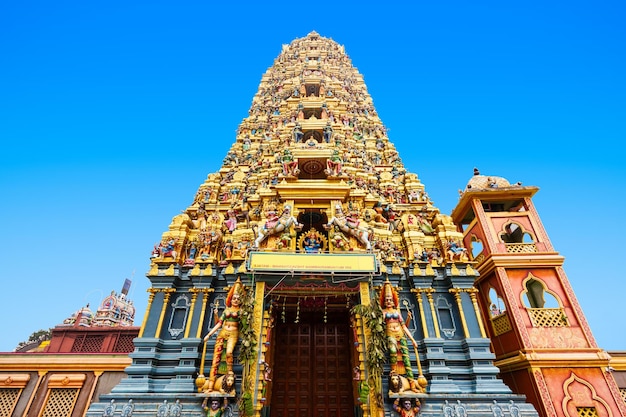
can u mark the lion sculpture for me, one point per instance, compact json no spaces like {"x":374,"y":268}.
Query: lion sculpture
{"x":398,"y":384}
{"x":225,"y":384}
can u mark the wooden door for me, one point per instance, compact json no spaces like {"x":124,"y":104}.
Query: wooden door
{"x":312,"y":371}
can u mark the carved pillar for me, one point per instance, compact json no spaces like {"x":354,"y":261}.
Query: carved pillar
{"x":205,"y":300}
{"x":418,"y":292}
{"x":457,"y":296}
{"x":194,"y":296}
{"x":152,"y":292}
{"x":429,"y":294}
{"x":472,"y":293}
{"x":166,"y":299}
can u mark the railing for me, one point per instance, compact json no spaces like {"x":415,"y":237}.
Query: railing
{"x":521,"y":248}
{"x":501,"y":324}
{"x":547,"y":317}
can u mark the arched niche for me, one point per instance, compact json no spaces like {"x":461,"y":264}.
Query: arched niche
{"x":178,"y":318}
{"x":537,"y":295}
{"x":496,"y":303}
{"x":476,"y":246}
{"x":445,"y":317}
{"x":513,"y":232}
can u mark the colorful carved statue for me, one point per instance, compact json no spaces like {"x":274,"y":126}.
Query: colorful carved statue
{"x":169,"y":249}
{"x":334,"y":164}
{"x":350,"y":225}
{"x":406,"y":407}
{"x":396,"y":331}
{"x":312,"y":242}
{"x":275,"y":225}
{"x":215,"y":409}
{"x":455,"y":252}
{"x":228,"y":326}
{"x":290,"y":164}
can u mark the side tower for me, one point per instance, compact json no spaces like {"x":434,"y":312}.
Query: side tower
{"x":543,"y":344}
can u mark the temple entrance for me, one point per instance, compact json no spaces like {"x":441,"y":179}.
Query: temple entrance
{"x":312,"y":366}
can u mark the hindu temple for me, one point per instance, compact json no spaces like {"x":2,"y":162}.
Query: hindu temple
{"x":312,"y":275}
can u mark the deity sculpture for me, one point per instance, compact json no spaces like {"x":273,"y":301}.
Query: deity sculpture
{"x":228,"y":326}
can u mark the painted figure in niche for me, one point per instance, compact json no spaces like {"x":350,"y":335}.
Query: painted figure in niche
{"x":328,"y":133}
{"x":379,"y":209}
{"x":455,"y":252}
{"x":242,"y":208}
{"x":228,"y":326}
{"x":406,"y":407}
{"x":424,"y":225}
{"x":414,"y":196}
{"x":339,"y":241}
{"x":334,"y":164}
{"x":208,"y":239}
{"x":284,"y":241}
{"x":227,"y":250}
{"x":192,"y":250}
{"x":156,"y":251}
{"x":395,"y":222}
{"x":396,"y":331}
{"x":168,"y":249}
{"x":215,"y":409}
{"x":312,"y":242}
{"x":290,"y":164}
{"x":297,"y":133}
{"x":231,"y":221}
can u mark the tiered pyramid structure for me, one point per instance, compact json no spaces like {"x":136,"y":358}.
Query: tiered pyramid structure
{"x":311,"y":247}
{"x":312,"y":141}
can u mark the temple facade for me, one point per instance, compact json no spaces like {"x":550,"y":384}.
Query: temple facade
{"x":312,"y":275}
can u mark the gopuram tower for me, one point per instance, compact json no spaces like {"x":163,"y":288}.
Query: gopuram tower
{"x":312,"y":275}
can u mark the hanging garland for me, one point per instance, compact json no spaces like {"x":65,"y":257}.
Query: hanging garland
{"x":376,"y":352}
{"x":247,"y":352}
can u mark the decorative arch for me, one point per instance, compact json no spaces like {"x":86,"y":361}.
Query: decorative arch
{"x":513,"y":232}
{"x":178,"y":318}
{"x":313,"y":134}
{"x":537,"y":295}
{"x":476,"y":246}
{"x":544,"y":307}
{"x":445,"y":317}
{"x":581,"y":394}
{"x":496,"y":303}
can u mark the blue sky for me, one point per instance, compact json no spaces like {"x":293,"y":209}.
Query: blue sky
{"x":113,"y":113}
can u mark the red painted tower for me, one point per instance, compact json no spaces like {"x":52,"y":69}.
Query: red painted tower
{"x":542,"y":341}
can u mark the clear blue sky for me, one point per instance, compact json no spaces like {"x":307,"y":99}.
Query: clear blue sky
{"x":113,"y":113}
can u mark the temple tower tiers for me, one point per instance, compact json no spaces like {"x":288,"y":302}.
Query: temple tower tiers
{"x":314,"y":269}
{"x":542,"y":341}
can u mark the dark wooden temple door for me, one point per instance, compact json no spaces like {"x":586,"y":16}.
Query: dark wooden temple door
{"x":312,"y":372}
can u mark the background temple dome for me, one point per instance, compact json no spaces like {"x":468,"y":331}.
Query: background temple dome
{"x":84,"y":316}
{"x":483,"y":182}
{"x":115,"y":310}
